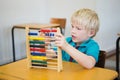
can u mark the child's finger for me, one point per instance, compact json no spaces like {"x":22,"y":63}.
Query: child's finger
{"x":58,"y":36}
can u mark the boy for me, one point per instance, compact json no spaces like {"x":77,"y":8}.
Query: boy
{"x":80,"y":47}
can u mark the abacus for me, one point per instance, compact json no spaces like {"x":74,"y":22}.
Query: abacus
{"x":41,"y":49}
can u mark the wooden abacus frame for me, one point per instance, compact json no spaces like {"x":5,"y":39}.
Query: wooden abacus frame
{"x":58,"y":67}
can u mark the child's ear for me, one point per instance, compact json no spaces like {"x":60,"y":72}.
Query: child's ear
{"x":91,"y":33}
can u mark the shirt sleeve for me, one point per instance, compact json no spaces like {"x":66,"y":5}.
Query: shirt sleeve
{"x":93,"y":50}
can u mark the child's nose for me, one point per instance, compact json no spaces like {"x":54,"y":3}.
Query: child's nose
{"x":73,"y":30}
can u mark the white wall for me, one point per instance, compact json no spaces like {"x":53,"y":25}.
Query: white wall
{"x":29,"y":11}
{"x":16,"y":12}
{"x":109,"y":13}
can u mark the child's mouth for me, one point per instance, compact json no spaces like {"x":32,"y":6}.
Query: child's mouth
{"x":73,"y":37}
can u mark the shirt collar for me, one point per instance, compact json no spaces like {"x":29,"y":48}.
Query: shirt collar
{"x":85,"y":42}
{"x":82,"y":44}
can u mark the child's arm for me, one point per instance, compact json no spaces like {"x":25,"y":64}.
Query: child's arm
{"x":83,"y":59}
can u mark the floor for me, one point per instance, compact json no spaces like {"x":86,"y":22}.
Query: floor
{"x":110,"y":62}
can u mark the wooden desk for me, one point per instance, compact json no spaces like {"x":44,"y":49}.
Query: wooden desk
{"x":31,"y":26}
{"x":71,"y":71}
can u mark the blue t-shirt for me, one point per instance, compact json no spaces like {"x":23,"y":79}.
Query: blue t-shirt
{"x":89,"y":47}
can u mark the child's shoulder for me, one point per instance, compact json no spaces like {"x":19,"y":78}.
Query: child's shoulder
{"x":92,"y":42}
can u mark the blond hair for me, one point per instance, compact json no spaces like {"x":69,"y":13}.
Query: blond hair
{"x":87,"y":19}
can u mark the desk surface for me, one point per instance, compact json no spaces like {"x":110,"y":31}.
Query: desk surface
{"x":71,"y":71}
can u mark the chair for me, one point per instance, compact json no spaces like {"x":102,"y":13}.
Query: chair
{"x":101,"y":61}
{"x":117,"y":56}
{"x":61,"y":21}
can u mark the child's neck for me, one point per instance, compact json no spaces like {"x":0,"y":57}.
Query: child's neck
{"x":78,"y":43}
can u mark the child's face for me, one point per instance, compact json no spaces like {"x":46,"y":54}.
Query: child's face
{"x":79,"y":34}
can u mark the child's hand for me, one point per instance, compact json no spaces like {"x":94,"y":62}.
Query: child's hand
{"x":60,"y":41}
{"x":50,"y":53}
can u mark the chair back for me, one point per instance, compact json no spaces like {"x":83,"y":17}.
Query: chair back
{"x":61,"y":22}
{"x":101,"y":61}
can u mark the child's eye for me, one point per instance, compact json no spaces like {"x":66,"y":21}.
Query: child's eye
{"x":78,"y":28}
{"x":72,"y":26}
